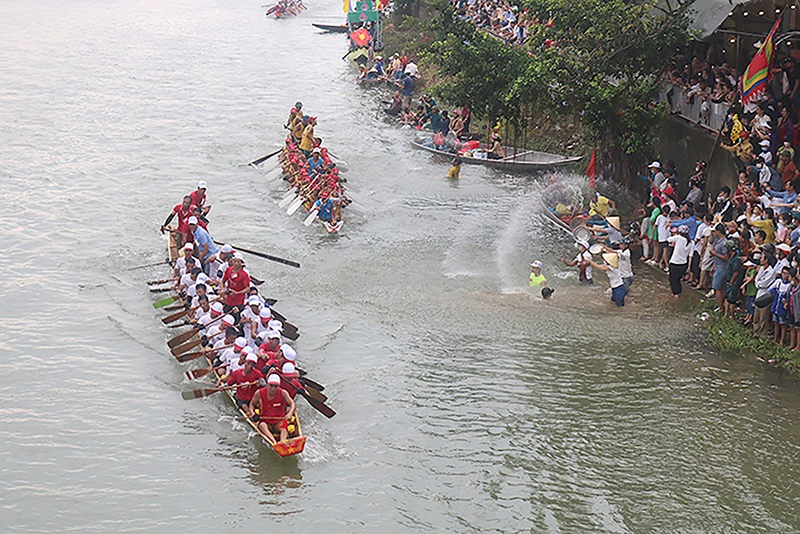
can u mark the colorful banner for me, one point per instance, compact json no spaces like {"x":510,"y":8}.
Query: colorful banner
{"x":758,"y":73}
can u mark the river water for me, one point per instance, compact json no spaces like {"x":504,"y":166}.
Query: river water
{"x":465,"y":404}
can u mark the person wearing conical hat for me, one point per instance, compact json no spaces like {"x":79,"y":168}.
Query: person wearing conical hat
{"x":611,"y":266}
{"x":583,"y":261}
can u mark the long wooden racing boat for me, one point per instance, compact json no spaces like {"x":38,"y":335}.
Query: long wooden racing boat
{"x":517,"y":161}
{"x":296,"y":442}
{"x":338,"y":28}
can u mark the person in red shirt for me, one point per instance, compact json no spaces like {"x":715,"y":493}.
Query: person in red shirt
{"x":275,"y":407}
{"x":235,"y":282}
{"x":199,"y":197}
{"x":268,"y":351}
{"x":290,"y":382}
{"x":183,"y":211}
{"x":244,"y":394}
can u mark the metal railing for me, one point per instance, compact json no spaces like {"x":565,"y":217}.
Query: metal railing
{"x":706,"y":114}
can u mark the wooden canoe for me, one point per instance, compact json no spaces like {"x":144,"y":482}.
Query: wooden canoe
{"x":296,"y":442}
{"x":518,"y":161}
{"x":333,"y":28}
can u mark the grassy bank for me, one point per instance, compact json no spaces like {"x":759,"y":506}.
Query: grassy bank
{"x":728,"y":334}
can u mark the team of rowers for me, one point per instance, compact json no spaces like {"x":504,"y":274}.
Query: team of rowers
{"x":310,"y":171}
{"x":241,"y":334}
{"x":286,"y":7}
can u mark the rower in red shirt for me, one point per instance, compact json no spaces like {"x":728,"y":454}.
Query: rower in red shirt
{"x":275,"y":407}
{"x":199,"y":197}
{"x":183,"y":211}
{"x":235,"y":281}
{"x":290,"y":382}
{"x":247,"y":375}
{"x":268,"y":351}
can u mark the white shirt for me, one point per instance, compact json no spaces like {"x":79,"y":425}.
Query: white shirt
{"x":614,"y":277}
{"x":764,"y":278}
{"x":700,"y":228}
{"x":683,"y":248}
{"x":230,"y":358}
{"x":412,"y":70}
{"x":584,"y":257}
{"x":661,"y":222}
{"x":625,"y":269}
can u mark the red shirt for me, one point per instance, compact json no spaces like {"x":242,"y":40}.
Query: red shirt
{"x":198,"y":198}
{"x":272,"y":410}
{"x":238,"y":377}
{"x":183,"y":217}
{"x":235,"y":282}
{"x":292,"y":387}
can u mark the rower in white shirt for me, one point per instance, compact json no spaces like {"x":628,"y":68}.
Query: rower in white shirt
{"x":200,"y":291}
{"x":180,"y":263}
{"x":230,"y":356}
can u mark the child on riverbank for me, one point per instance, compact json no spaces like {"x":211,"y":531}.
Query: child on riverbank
{"x":780,"y":306}
{"x":749,"y":289}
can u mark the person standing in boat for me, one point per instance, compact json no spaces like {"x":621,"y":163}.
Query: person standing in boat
{"x":204,"y":246}
{"x":236,"y":282}
{"x":275,"y":407}
{"x":199,"y":198}
{"x":496,"y":151}
{"x":183,"y":211}
{"x":307,"y":141}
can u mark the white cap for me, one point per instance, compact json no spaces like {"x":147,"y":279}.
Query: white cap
{"x":251,"y":358}
{"x":189,"y":246}
{"x":248,"y":350}
{"x":272,"y":334}
{"x":192,"y":220}
{"x":240,"y":343}
{"x":229,"y":320}
{"x":275,"y":325}
{"x":655,"y":164}
{"x":707,"y":231}
{"x":217,"y":308}
{"x":288,"y":369}
{"x":537,"y":264}
{"x":765,"y":142}
{"x":265,"y":313}
{"x":315,"y":150}
{"x":288,"y":353}
{"x":253,"y":300}
{"x":202,"y":184}
{"x":273,"y":379}
{"x":226,"y":249}
{"x":238,"y":256}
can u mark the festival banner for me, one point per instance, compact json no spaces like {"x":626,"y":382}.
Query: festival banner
{"x":758,"y":73}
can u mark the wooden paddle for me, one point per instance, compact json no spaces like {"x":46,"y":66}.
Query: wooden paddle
{"x":311,"y":217}
{"x":173,"y":308}
{"x":156,"y":282}
{"x":161,"y":289}
{"x":180,"y":338}
{"x":143,"y":266}
{"x":277,"y":171}
{"x":190,"y":345}
{"x":199,"y":393}
{"x":263,"y":159}
{"x":193,"y":355}
{"x":265,"y":256}
{"x":199,"y":373}
{"x":320,"y":406}
{"x":308,"y":382}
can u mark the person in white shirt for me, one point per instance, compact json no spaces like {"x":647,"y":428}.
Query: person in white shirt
{"x":583,"y":261}
{"x":679,"y":260}
{"x":662,"y":223}
{"x":625,"y":268}
{"x":180,"y":263}
{"x":611,"y":267}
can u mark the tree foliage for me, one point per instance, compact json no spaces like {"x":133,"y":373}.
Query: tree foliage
{"x":598,"y":58}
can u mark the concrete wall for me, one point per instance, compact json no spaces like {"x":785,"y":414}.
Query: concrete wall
{"x":685,"y":144}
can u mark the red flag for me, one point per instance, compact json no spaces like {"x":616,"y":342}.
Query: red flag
{"x":361,"y":37}
{"x":591,"y":171}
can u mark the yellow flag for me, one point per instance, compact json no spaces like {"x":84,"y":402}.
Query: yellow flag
{"x":346,"y":6}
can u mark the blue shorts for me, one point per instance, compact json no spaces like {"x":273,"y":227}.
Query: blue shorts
{"x":779,"y":319}
{"x":718,"y":282}
{"x":751,"y":305}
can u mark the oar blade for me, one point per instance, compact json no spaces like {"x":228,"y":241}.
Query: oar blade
{"x":274,"y":173}
{"x":189,"y":356}
{"x":198,"y":393}
{"x":310,"y":383}
{"x":180,"y":338}
{"x":294,"y":206}
{"x":164,"y":302}
{"x":287,"y":200}
{"x":316,"y":395}
{"x":177,"y":351}
{"x":311,"y":218}
{"x":174,"y":317}
{"x":198,"y":373}
{"x":321,"y":407}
